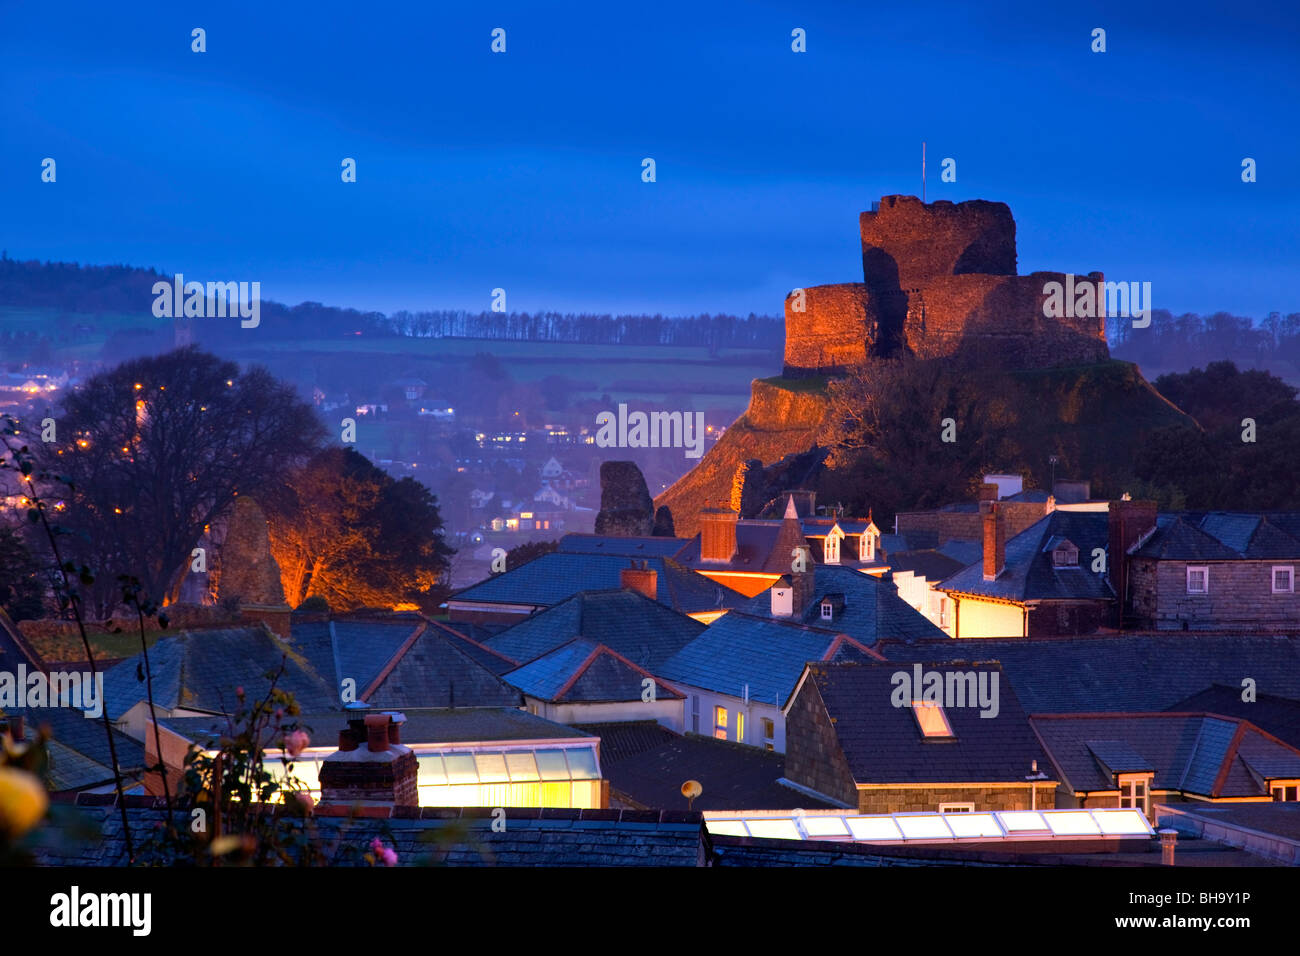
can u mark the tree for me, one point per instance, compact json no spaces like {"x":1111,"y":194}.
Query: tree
{"x":1220,"y":395}
{"x":156,"y":449}
{"x":344,"y":530}
{"x":21,"y":588}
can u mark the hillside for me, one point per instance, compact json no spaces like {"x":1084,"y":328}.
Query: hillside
{"x":1093,"y":417}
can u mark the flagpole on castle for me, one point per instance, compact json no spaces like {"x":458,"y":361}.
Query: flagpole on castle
{"x":922,"y":170}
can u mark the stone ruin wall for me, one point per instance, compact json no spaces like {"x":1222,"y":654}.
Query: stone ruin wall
{"x":940,"y":280}
{"x":836,"y":330}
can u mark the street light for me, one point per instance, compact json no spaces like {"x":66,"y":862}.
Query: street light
{"x":1034,"y":776}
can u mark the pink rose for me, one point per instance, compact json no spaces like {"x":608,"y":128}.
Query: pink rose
{"x":386,"y":855}
{"x":296,"y":742}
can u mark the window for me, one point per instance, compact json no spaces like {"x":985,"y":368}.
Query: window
{"x":740,"y":726}
{"x":832,"y":549}
{"x":769,"y":734}
{"x":720,"y":722}
{"x":1283,"y":579}
{"x":828,"y":611}
{"x":1198,"y":580}
{"x":695,"y":715}
{"x":956,"y":808}
{"x":1285,"y":791}
{"x":931,"y":719}
{"x":869,"y":546}
{"x":1134,"y":792}
{"x":943,"y":611}
{"x":1066,"y":556}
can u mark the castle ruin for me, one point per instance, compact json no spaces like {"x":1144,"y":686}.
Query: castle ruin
{"x":939,"y":280}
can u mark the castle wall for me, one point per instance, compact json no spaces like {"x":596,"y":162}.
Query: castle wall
{"x":906,"y":243}
{"x":835,"y":331}
{"x":1003,"y":317}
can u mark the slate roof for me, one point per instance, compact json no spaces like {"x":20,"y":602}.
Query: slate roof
{"x":472,"y":642}
{"x":768,"y":654}
{"x":959,"y":549}
{"x":626,"y":738}
{"x":931,"y":564}
{"x":872,"y":608}
{"x":732,"y":777}
{"x":884,"y":744}
{"x":423,"y":726}
{"x":1029,"y":574}
{"x":584,"y":671}
{"x":85,"y":742}
{"x":631,"y":547}
{"x":1278,"y":716}
{"x":1224,"y":536}
{"x":432,"y":670}
{"x":1133,"y":673}
{"x":641,"y":630}
{"x":1202,"y":754}
{"x":90,"y":836}
{"x":908,"y":541}
{"x":551,"y":578}
{"x":200,"y":670}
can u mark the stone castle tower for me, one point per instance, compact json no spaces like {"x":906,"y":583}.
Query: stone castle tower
{"x":939,"y":279}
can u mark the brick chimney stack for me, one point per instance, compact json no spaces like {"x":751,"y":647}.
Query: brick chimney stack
{"x":718,"y":534}
{"x":371,"y":768}
{"x":1128,"y":522}
{"x":988,"y":492}
{"x":640,"y":578}
{"x":995,"y":539}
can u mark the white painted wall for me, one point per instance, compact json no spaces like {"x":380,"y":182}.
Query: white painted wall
{"x":754,"y":713}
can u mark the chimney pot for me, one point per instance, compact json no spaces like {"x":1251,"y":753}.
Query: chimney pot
{"x":1168,"y":843}
{"x":377,"y":732}
{"x":347,"y":742}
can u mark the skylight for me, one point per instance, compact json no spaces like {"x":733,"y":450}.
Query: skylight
{"x":931,"y":719}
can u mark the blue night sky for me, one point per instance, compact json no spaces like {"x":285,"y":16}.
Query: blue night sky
{"x":523,"y":170}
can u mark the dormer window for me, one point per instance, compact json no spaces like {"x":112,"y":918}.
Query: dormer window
{"x":931,"y":719}
{"x":1135,"y":791}
{"x":1065,"y":553}
{"x":828,"y":611}
{"x":868,"y":546}
{"x":831,"y":552}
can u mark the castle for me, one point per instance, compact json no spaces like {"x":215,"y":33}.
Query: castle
{"x":939,"y":279}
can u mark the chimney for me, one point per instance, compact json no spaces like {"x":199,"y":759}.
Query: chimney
{"x":988,"y":492}
{"x":782,"y":593}
{"x":995,"y":540}
{"x":717,"y":534}
{"x":1168,"y":842}
{"x":383,"y":773}
{"x":1127,"y":523}
{"x":804,"y":585}
{"x":640,"y":578}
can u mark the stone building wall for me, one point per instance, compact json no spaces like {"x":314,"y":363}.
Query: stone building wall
{"x":1241,"y":595}
{"x":907,"y":243}
{"x":923,"y":799}
{"x":813,"y":757}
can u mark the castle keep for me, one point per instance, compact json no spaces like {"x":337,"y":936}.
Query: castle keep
{"x":939,"y":279}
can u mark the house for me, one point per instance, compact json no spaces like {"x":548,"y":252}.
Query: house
{"x":742,"y":669}
{"x":917,"y":576}
{"x":582,"y":681}
{"x":413,"y":389}
{"x":516,"y":593}
{"x":1050,"y":579}
{"x":1138,"y":760}
{"x":1217,"y":571}
{"x":1127,"y":673}
{"x":627,"y":621}
{"x":748,"y":555}
{"x":864,"y":738}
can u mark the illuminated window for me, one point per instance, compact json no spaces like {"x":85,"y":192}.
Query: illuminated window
{"x":869,"y":546}
{"x":1283,"y":580}
{"x":740,"y":726}
{"x":956,"y":808}
{"x":1285,"y":791}
{"x":720,"y":722}
{"x":769,"y":734}
{"x":931,"y":719}
{"x":1135,"y":792}
{"x":1198,"y":580}
{"x":832,"y":549}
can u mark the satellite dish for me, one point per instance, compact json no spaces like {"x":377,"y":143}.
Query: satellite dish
{"x":691,"y":789}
